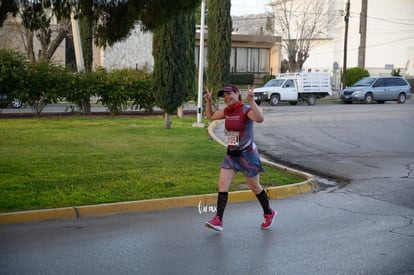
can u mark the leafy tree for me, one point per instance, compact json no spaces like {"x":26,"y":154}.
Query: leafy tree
{"x":219,"y":42}
{"x":300,"y":23}
{"x":112,"y":19}
{"x":36,"y":18}
{"x":7,"y":7}
{"x":115,"y":19}
{"x":170,"y":66}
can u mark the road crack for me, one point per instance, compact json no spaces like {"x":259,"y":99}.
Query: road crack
{"x":340,"y":140}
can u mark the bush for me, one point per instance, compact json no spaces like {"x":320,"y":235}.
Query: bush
{"x":43,"y":83}
{"x":355,"y":74}
{"x":110,"y":90}
{"x":242,"y":78}
{"x":83,"y":87}
{"x":117,"y":88}
{"x":140,"y":90}
{"x":396,"y":72}
{"x":40,"y":83}
{"x":12,"y":69}
{"x":267,"y":77}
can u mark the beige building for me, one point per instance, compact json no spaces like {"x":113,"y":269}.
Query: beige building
{"x":256,"y":54}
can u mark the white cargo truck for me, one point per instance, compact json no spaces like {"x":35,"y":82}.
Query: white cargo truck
{"x":294,"y":88}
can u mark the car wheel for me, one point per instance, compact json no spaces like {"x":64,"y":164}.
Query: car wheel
{"x":274,"y":100}
{"x":311,"y":100}
{"x":16,"y":103}
{"x":401,"y":98}
{"x":368,"y":99}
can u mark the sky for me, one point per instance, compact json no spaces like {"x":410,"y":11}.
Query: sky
{"x":243,"y":7}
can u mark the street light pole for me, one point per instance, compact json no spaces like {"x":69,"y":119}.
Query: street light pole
{"x":199,"y":122}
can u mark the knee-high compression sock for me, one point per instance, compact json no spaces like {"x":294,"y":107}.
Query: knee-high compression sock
{"x":221,"y":204}
{"x":264,"y":201}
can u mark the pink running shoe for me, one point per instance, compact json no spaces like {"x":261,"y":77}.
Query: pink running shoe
{"x":269,"y":218}
{"x":215,"y":224}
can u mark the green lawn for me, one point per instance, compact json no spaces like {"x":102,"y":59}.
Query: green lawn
{"x":58,"y":162}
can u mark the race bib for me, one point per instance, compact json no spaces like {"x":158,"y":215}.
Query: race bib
{"x":232,"y":138}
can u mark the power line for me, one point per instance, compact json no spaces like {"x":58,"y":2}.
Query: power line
{"x":390,"y":20}
{"x":368,"y":46}
{"x":352,"y":15}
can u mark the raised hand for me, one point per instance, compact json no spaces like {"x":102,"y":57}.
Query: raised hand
{"x":209,"y":94}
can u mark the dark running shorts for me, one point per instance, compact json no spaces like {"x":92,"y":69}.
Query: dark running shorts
{"x":248,"y":163}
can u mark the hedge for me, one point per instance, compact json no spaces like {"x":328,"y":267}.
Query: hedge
{"x":39,"y":84}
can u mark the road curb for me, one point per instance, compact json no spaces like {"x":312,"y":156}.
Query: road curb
{"x":196,"y":201}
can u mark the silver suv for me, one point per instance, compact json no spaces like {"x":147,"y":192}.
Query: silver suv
{"x":379,"y":89}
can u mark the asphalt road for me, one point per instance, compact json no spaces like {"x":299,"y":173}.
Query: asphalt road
{"x":365,"y":227}
{"x":370,"y":146}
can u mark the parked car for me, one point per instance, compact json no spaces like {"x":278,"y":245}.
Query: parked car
{"x":379,"y":89}
{"x":6,"y":101}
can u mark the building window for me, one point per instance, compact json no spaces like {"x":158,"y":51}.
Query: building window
{"x":264,"y":61}
{"x":233,"y":60}
{"x":244,"y":60}
{"x":253,"y":60}
{"x":241,"y":60}
{"x":250,"y":60}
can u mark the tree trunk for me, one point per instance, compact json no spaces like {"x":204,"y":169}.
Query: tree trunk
{"x":30,"y":45}
{"x":167,"y":120}
{"x":180,"y":111}
{"x":62,"y":32}
{"x":86,"y":106}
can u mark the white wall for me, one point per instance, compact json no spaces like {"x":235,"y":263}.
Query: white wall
{"x":390,"y":37}
{"x":135,"y":51}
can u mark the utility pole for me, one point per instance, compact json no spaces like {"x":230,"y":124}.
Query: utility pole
{"x":348,"y":4}
{"x":363,"y":34}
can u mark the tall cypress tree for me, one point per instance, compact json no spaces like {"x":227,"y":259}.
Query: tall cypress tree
{"x":170,"y":65}
{"x":219,"y":42}
{"x":191,"y":66}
